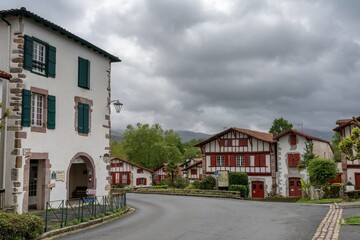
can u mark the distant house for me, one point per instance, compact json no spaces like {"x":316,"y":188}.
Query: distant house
{"x":350,"y":169}
{"x":243,"y":150}
{"x":55,"y":144}
{"x":159,"y":173}
{"x":189,"y":162}
{"x":193,"y":172}
{"x":125,"y":173}
{"x":290,"y":151}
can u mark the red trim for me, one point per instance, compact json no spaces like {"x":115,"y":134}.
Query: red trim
{"x":250,"y":173}
{"x":353,"y":165}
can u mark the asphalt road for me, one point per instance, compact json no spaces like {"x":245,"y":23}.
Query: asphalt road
{"x":165,"y":217}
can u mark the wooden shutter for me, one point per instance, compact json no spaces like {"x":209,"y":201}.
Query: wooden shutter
{"x":296,"y":159}
{"x":51,"y":61}
{"x":28,"y":52}
{"x":51,"y":114}
{"x":243,"y":142}
{"x":83,"y":73}
{"x":86,"y":118}
{"x":290,"y":160}
{"x":247,"y":160}
{"x":137,"y":181}
{"x":80,"y":118}
{"x":262,"y":160}
{"x":144,"y":181}
{"x":213,"y":161}
{"x":293,"y":139}
{"x":26,"y":108}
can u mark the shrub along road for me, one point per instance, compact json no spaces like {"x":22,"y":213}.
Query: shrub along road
{"x":178,"y":217}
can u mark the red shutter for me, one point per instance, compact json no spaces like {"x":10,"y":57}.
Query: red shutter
{"x":290,"y":160}
{"x":257,"y":160}
{"x":213,"y":161}
{"x":232,"y":161}
{"x":137,"y":181}
{"x":128,"y":178}
{"x":243,"y":142}
{"x":262,"y":160}
{"x":293,"y":139}
{"x":296,"y":159}
{"x":113,"y":178}
{"x":247,"y":160}
{"x":144,"y":181}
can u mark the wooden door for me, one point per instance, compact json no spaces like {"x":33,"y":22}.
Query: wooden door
{"x":357,"y":181}
{"x":257,"y":189}
{"x":295,"y":187}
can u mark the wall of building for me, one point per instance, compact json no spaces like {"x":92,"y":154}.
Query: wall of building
{"x":322,"y":149}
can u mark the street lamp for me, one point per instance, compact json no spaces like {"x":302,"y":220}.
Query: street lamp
{"x":117,"y":104}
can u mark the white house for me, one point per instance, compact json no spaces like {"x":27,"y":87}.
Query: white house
{"x":193,"y":172}
{"x":56,"y":143}
{"x":290,"y":151}
{"x":350,"y":169}
{"x":125,"y":173}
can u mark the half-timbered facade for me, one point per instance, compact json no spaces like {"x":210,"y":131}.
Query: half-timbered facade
{"x":242,"y":150}
{"x":159,"y":173}
{"x":350,"y":169}
{"x":193,"y":172}
{"x":128,"y":174}
{"x":290,"y":150}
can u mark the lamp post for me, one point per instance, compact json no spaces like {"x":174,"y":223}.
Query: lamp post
{"x":117,"y":105}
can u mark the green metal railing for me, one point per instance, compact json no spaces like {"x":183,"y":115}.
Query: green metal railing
{"x":62,"y":213}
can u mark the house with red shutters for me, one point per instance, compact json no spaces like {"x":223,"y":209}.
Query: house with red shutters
{"x":193,"y":172}
{"x":128,"y":174}
{"x":159,"y":173}
{"x":350,"y":169}
{"x":243,"y":150}
{"x":290,"y":150}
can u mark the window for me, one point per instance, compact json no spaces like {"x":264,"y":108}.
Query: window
{"x":293,"y":139}
{"x":39,"y":57}
{"x":293,"y":159}
{"x":226,"y":143}
{"x":38,"y":109}
{"x":140,"y":170}
{"x":220,"y":161}
{"x":83,"y":118}
{"x":124,"y":178}
{"x":83,"y":73}
{"x":240,"y":160}
{"x":193,"y":171}
{"x":141,"y":181}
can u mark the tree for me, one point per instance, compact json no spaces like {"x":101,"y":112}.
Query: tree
{"x":321,"y":170}
{"x":336,"y":139}
{"x":117,"y":150}
{"x":190,"y":151}
{"x":308,"y":155}
{"x":172,"y":169}
{"x":280,"y":125}
{"x":350,"y":145}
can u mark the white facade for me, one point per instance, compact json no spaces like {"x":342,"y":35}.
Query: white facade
{"x":63,"y":158}
{"x":138,"y":175}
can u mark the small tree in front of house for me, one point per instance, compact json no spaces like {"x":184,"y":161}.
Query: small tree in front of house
{"x":308,"y":155}
{"x":350,"y":145}
{"x":321,"y":170}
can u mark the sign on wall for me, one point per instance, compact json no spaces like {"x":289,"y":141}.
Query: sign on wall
{"x":223,"y":180}
{"x":60,"y":176}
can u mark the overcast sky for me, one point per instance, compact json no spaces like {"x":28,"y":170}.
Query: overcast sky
{"x":210,"y":64}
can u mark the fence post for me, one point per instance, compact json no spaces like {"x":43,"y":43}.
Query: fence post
{"x":79,"y":208}
{"x":124,"y":199}
{"x":62,"y":213}
{"x":46,"y":217}
{"x":104,"y":197}
{"x":66,"y":211}
{"x":82,"y":210}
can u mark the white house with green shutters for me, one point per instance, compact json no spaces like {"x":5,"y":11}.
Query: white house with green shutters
{"x":55,"y":143}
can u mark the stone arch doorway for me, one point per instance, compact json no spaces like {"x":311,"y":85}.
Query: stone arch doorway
{"x":81,"y":177}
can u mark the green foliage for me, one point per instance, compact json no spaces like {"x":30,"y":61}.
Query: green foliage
{"x":305,"y":187}
{"x":181,"y":182}
{"x":350,"y":145}
{"x":208,"y":183}
{"x":320,"y":201}
{"x":196,"y":184}
{"x":150,"y":146}
{"x":160,"y":187}
{"x":280,"y":125}
{"x":243,"y":189}
{"x":321,"y":170}
{"x":20,"y":226}
{"x":333,"y":191}
{"x":336,"y":139}
{"x":353,"y":194}
{"x":172,"y":169}
{"x":117,"y":150}
{"x":308,"y":155}
{"x":354,"y":220}
{"x":190,"y":151}
{"x":238,"y":178}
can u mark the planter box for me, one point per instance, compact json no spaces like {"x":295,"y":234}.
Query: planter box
{"x":349,"y":188}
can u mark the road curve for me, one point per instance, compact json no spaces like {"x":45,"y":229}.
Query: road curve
{"x":162,"y":217}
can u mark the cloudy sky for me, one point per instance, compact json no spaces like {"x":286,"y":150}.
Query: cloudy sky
{"x":209,"y":64}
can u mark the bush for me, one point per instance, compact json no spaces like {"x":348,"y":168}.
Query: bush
{"x":160,"y":187}
{"x":208,"y":183}
{"x":243,"y":189}
{"x":181,"y":182}
{"x":20,"y":226}
{"x":353,"y":194}
{"x":321,"y":170}
{"x":238,"y":178}
{"x":333,"y":191}
{"x":196,"y":184}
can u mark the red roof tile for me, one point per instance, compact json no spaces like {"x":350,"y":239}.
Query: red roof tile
{"x":307,"y":136}
{"x":342,"y":123}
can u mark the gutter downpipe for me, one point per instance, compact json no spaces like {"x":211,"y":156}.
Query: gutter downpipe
{"x":5,"y":106}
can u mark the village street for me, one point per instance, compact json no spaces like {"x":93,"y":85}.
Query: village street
{"x":176,"y":217}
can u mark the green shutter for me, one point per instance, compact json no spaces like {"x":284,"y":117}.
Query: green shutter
{"x":80,"y":118}
{"x":86,"y":118}
{"x":83,"y":73}
{"x":28,"y":53}
{"x":51,"y":61}
{"x":51,"y":114}
{"x":26,"y":108}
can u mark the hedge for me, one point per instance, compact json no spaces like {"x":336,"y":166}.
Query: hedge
{"x":20,"y":226}
{"x":238,"y":178}
{"x":243,"y":189}
{"x":333,"y":191}
{"x":208,"y":183}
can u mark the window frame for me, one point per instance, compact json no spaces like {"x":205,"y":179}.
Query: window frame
{"x":240,"y":161}
{"x":80,"y":100}
{"x":220,"y":160}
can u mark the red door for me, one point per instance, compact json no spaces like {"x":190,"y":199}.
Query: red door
{"x":357,"y":181}
{"x":295,"y":187}
{"x":257,"y":189}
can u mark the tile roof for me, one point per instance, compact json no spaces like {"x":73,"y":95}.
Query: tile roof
{"x":5,"y":75}
{"x":25,"y":13}
{"x":131,"y":163}
{"x":267,"y":137}
{"x":346,"y":122}
{"x":307,"y":136}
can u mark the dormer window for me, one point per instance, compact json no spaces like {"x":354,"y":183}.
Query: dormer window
{"x":293,"y":139}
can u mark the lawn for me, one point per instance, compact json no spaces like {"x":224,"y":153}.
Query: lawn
{"x":320,"y":201}
{"x":354,"y":220}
